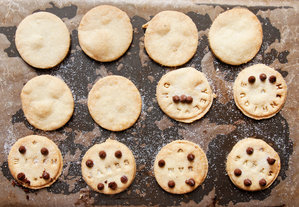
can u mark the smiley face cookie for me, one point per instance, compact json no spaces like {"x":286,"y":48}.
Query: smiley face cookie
{"x":184,"y":94}
{"x":253,"y":164}
{"x":109,"y":167}
{"x":35,"y":162}
{"x":260,"y":91}
{"x":171,"y":38}
{"x":180,"y":167}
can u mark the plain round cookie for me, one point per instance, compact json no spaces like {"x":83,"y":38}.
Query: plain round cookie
{"x":105,"y":33}
{"x":187,"y":82}
{"x":236,"y":36}
{"x":109,"y":167}
{"x":35,"y":161}
{"x":171,"y":38}
{"x":43,"y":40}
{"x":114,"y":103}
{"x":180,"y":167}
{"x":47,"y":102}
{"x":252,"y":164}
{"x":260,"y":91}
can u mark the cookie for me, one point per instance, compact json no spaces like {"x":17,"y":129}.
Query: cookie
{"x":171,"y":38}
{"x":184,"y":94}
{"x":105,"y":33}
{"x":252,"y":164}
{"x":180,"y":167}
{"x":236,"y":36}
{"x":109,"y":167}
{"x":114,"y":103}
{"x":47,"y":102}
{"x":35,"y":162}
{"x":260,"y":91}
{"x":43,"y":40}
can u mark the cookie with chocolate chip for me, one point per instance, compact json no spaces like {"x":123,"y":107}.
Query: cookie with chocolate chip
{"x":184,"y":94}
{"x":260,"y":91}
{"x":253,"y":164}
{"x":180,"y":167}
{"x":35,"y":161}
{"x":109,"y":167}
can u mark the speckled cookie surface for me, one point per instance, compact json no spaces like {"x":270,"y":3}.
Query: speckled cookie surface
{"x":105,"y":33}
{"x":253,"y":164}
{"x":43,"y":40}
{"x":260,"y":91}
{"x":171,"y":38}
{"x":114,"y":103}
{"x":47,"y":102}
{"x":180,"y":167}
{"x":35,"y":161}
{"x":236,"y":36}
{"x":184,"y":94}
{"x":109,"y":167}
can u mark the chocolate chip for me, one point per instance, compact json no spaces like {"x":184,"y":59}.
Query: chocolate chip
{"x":176,"y":99}
{"x":46,"y":175}
{"x":124,"y":179}
{"x":101,"y":186}
{"x":27,"y":181}
{"x":271,"y":161}
{"x":171,"y":184}
{"x":251,"y":79}
{"x":263,"y":182}
{"x":44,"y":151}
{"x":189,"y":100}
{"x":89,"y":163}
{"x":272,"y":79}
{"x":247,"y":182}
{"x":102,"y":154}
{"x":249,"y":150}
{"x":237,"y":172}
{"x":263,"y":77}
{"x":190,"y":157}
{"x":22,"y":149}
{"x":161,"y":163}
{"x":21,"y":176}
{"x":112,"y":185}
{"x":190,"y":182}
{"x":183,"y":98}
{"x":118,"y":154}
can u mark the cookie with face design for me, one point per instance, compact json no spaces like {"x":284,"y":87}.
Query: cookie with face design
{"x":260,"y":91}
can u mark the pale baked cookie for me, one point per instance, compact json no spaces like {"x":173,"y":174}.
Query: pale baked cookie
{"x":171,"y":38}
{"x":109,"y":167}
{"x":47,"y":102}
{"x":184,"y":94}
{"x":252,"y":164}
{"x":114,"y":103}
{"x":105,"y":33}
{"x":35,"y":161}
{"x":260,"y":91}
{"x":180,"y":167}
{"x":42,"y":40}
{"x":236,"y":36}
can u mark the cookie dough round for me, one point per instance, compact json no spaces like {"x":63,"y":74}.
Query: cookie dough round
{"x":43,"y":40}
{"x":171,"y":38}
{"x":187,"y":82}
{"x":47,"y":102}
{"x":114,"y":103}
{"x":236,"y":36}
{"x":109,"y":167}
{"x":35,"y":162}
{"x":105,"y":33}
{"x":252,"y":164}
{"x":180,"y":167}
{"x":260,"y":91}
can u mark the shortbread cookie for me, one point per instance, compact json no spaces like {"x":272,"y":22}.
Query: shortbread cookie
{"x":260,"y":91}
{"x":184,"y":94}
{"x":47,"y":102}
{"x":114,"y":103}
{"x":105,"y":33}
{"x":236,"y":36}
{"x":109,"y":167}
{"x":35,"y":162}
{"x":180,"y":167}
{"x":252,"y":164}
{"x":171,"y":38}
{"x":43,"y":40}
